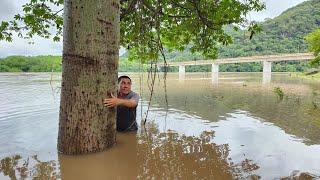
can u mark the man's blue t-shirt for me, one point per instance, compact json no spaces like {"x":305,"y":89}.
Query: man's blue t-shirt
{"x":126,"y":117}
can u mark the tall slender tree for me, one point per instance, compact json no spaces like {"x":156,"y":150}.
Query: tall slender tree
{"x":91,"y":42}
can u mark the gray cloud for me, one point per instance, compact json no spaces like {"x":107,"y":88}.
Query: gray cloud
{"x":7,"y":8}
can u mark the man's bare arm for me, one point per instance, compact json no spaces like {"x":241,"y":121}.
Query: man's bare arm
{"x":114,"y":101}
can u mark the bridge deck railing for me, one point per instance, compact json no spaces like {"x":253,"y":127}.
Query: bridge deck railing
{"x":269,"y":58}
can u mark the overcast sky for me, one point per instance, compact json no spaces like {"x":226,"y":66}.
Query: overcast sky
{"x":47,"y":47}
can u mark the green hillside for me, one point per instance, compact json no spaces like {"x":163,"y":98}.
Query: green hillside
{"x":283,"y":34}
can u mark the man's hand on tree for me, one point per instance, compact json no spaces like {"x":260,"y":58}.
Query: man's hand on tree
{"x":111,"y":102}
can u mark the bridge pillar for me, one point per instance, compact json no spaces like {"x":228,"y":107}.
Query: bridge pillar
{"x":266,"y":72}
{"x":182,"y":72}
{"x":215,"y":73}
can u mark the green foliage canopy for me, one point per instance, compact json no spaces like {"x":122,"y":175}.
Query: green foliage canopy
{"x":38,"y":19}
{"x":178,"y":23}
{"x":283,"y":34}
{"x":149,"y":25}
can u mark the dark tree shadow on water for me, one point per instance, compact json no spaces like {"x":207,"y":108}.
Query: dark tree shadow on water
{"x":175,"y":156}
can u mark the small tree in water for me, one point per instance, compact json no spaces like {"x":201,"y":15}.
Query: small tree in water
{"x":279,"y":92}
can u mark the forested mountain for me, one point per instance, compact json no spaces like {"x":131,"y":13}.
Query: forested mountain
{"x":283,"y":34}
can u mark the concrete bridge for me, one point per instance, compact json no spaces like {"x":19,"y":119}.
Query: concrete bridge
{"x":266,"y":59}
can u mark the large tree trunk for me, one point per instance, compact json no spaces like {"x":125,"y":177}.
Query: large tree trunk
{"x":89,"y":74}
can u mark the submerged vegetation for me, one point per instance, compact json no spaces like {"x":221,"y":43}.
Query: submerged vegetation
{"x":279,"y":92}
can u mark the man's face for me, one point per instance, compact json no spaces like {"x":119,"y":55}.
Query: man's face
{"x":124,"y":86}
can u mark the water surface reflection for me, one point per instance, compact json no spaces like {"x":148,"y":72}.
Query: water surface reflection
{"x":177,"y":156}
{"x":148,"y":154}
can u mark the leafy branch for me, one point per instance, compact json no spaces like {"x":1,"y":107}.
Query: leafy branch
{"x":174,"y":24}
{"x":38,"y":19}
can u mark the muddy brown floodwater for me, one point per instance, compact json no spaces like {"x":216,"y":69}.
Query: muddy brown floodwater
{"x":237,"y":129}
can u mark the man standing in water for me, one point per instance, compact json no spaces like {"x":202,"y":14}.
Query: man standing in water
{"x":126,"y":103}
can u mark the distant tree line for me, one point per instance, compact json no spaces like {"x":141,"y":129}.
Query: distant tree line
{"x":53,"y":64}
{"x":30,"y":64}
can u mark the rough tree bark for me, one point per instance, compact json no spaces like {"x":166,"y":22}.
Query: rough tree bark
{"x":89,"y":74}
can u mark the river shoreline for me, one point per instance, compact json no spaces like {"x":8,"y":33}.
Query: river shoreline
{"x":313,"y":77}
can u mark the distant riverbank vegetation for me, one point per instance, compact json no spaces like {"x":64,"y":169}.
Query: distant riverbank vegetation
{"x":30,"y":64}
{"x":311,"y":75}
{"x":53,"y":64}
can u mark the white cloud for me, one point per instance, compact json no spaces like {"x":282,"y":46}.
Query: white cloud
{"x":45,"y":46}
{"x":20,"y":46}
{"x":273,"y":8}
